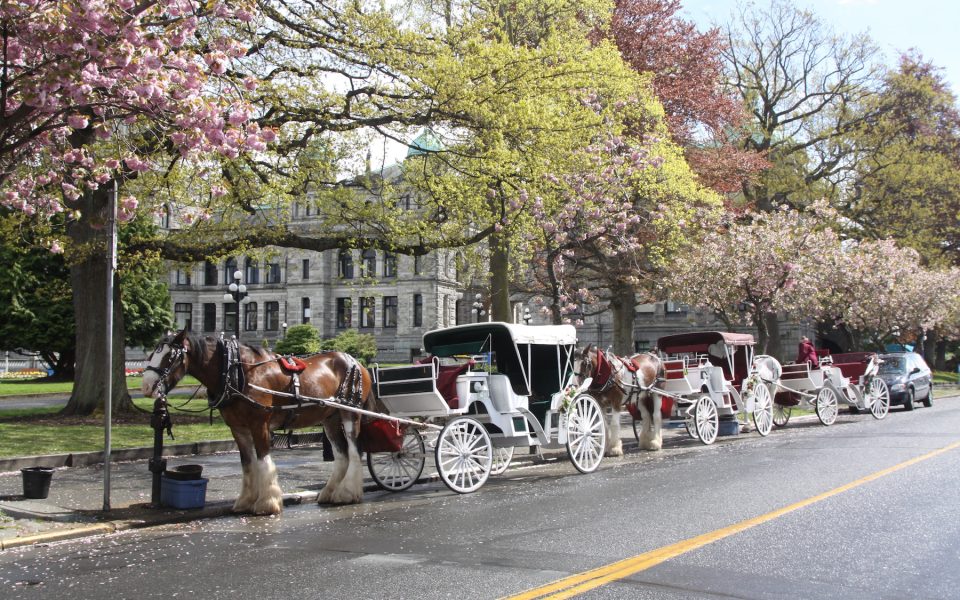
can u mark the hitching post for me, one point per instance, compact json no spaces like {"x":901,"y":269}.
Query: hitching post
{"x":159,"y":421}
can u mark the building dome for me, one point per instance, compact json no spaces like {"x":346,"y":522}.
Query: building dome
{"x":424,"y":143}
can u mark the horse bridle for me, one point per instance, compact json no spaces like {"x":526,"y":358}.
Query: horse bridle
{"x":177,"y":353}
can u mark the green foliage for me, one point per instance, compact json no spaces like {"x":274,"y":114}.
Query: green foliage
{"x":361,"y":346}
{"x":299,"y":339}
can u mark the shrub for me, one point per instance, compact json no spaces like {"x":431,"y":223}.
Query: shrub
{"x":361,"y":346}
{"x":300,"y":339}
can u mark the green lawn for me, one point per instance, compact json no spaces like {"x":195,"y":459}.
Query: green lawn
{"x":29,"y":432}
{"x":946,"y":377}
{"x":15,"y":387}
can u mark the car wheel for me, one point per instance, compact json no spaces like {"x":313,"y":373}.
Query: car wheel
{"x":928,"y":401}
{"x":908,"y":402}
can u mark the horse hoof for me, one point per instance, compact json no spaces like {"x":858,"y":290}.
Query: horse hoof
{"x":614,"y":452}
{"x":271,"y":507}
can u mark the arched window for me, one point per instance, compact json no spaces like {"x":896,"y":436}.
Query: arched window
{"x":369,"y":263}
{"x":345,"y":264}
{"x":389,"y":264}
{"x":253,"y":271}
{"x":228,"y":270}
{"x":250,"y":316}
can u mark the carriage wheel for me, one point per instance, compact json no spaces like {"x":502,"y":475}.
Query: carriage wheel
{"x":879,"y":398}
{"x":781,"y":414}
{"x":586,"y":434}
{"x":501,"y":460}
{"x":690,"y":423}
{"x":763,"y":410}
{"x":706,"y":419}
{"x":464,"y":455}
{"x":826,"y":405}
{"x":397,"y":471}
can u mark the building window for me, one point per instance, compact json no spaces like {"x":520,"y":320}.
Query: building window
{"x":389,"y":264}
{"x":345,"y":264}
{"x":344,"y":313}
{"x":230,"y":317}
{"x":368,"y":263}
{"x":390,"y":311}
{"x":209,"y":317}
{"x":271,"y":316}
{"x":209,"y":275}
{"x":305,"y":309}
{"x":250,"y":316}
{"x":367,"y":311}
{"x":183,"y":277}
{"x":253,"y":271}
{"x":417,"y":310}
{"x":183,"y":315}
{"x":305,"y":273}
{"x":228,"y":270}
{"x":417,"y":264}
{"x":273,"y":272}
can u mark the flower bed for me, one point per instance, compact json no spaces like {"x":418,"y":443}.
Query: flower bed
{"x":23,"y":374}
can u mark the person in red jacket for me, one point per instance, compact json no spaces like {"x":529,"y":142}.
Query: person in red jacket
{"x":807,"y":353}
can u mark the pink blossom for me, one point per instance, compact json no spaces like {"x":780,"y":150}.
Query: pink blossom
{"x":55,"y":247}
{"x":77,"y":121}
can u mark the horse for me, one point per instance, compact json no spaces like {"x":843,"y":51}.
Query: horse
{"x":618,"y":381}
{"x":256,"y":394}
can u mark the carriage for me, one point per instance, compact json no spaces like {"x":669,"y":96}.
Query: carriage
{"x":488,"y":388}
{"x":712,"y":375}
{"x":850,"y":378}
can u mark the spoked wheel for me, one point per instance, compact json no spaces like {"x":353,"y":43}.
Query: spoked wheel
{"x":397,"y":471}
{"x":879,"y":398}
{"x":781,"y":414}
{"x":464,"y":455}
{"x":501,"y":460}
{"x":762,"y":410}
{"x":586,"y":434}
{"x":706,"y":420}
{"x":826,"y":406}
{"x":690,"y":422}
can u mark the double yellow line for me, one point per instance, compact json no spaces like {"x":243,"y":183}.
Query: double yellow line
{"x":588,"y":580}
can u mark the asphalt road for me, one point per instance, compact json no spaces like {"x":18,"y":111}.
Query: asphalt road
{"x":895,"y":534}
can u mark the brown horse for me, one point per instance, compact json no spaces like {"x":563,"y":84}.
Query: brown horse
{"x":239,"y":380}
{"x":618,"y":381}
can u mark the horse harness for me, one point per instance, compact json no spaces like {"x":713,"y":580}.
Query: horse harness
{"x":631,"y":391}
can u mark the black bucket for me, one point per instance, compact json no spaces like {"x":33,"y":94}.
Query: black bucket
{"x":36,"y":482}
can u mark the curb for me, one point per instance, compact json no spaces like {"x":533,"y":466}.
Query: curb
{"x":211,"y":511}
{"x":85,"y":459}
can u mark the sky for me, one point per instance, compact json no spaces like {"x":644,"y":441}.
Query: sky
{"x":930,"y":26}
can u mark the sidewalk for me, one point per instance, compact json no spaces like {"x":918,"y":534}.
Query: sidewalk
{"x":74,"y":507}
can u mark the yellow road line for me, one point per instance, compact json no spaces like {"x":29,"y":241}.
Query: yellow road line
{"x":588,"y":580}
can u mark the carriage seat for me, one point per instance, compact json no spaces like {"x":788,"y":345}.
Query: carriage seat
{"x":674,"y":369}
{"x":447,"y":382}
{"x":795,"y":371}
{"x":852,"y":365}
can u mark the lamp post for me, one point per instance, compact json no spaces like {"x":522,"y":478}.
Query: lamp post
{"x":284,"y":325}
{"x":237,"y":293}
{"x":478,"y":307}
{"x":526,"y":315}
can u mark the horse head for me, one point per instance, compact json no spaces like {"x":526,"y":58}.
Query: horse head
{"x":166,"y":365}
{"x":585,"y":364}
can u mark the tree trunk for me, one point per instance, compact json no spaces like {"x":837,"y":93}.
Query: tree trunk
{"x":940,"y":360}
{"x":774,"y":346}
{"x":500,"y":279}
{"x":88,"y":275}
{"x":623,"y":303}
{"x":930,"y":346}
{"x":759,"y":318}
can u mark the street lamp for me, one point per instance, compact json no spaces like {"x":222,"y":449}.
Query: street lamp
{"x":478,"y":307}
{"x":284,"y":325}
{"x":526,"y":315}
{"x":238,"y":294}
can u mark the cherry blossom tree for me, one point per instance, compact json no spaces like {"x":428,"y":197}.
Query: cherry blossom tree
{"x":765,"y":264}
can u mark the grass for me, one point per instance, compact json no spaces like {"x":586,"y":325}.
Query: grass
{"x":36,"y":431}
{"x":26,"y":387}
{"x":946,"y":377}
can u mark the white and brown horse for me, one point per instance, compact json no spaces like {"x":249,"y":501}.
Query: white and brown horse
{"x":617,"y":381}
{"x":239,"y":379}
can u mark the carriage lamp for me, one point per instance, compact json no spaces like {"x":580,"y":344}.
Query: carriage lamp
{"x":526,"y":315}
{"x":237,"y":294}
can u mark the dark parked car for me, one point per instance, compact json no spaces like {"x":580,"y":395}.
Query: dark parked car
{"x":908,"y":377}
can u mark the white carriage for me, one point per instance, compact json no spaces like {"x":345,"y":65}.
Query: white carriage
{"x":488,"y":388}
{"x":709,"y":376}
{"x":849,"y":378}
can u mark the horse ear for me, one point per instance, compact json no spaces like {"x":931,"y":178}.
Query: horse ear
{"x":181,"y":338}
